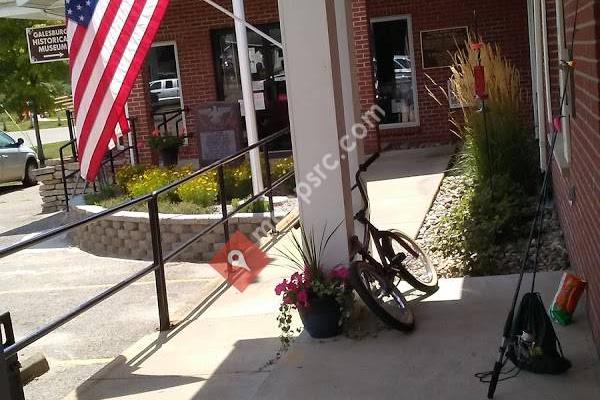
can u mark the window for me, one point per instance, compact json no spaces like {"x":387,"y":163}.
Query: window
{"x":165,"y":94}
{"x":395,"y":79}
{"x":5,"y":140}
{"x":268,"y":78}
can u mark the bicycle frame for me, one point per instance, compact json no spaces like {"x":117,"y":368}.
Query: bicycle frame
{"x":371,"y":230}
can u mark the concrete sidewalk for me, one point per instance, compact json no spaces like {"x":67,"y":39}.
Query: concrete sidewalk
{"x":225,"y":348}
{"x":403,"y":184}
{"x":226,"y":351}
{"x":457,"y":335}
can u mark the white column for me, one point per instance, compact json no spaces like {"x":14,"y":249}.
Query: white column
{"x":241,"y":37}
{"x":317,"y":120}
{"x":353,"y":146}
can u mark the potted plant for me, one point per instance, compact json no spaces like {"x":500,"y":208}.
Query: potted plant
{"x":168,"y":148}
{"x":322,"y":298}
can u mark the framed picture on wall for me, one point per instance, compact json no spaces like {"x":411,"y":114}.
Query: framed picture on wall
{"x":438,"y":46}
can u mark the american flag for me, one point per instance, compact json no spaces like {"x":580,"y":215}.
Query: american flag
{"x":108,"y":42}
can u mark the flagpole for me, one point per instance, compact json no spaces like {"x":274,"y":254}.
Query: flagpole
{"x":248,"y":94}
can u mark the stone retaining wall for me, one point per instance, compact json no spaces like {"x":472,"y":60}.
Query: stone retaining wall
{"x":127,"y":234}
{"x":51,"y":189}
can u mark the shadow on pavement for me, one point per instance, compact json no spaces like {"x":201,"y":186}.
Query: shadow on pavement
{"x":52,"y":221}
{"x":7,"y":188}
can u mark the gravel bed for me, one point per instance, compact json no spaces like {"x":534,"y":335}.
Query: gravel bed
{"x":553,"y":253}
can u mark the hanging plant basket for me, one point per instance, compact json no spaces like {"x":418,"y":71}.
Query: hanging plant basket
{"x":169,"y":157}
{"x":168,"y":148}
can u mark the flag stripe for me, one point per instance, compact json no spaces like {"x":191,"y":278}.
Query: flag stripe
{"x":105,"y":68}
{"x":92,"y":62}
{"x":74,"y":37}
{"x":144,"y":41}
{"x":108,"y":41}
{"x":86,"y":37}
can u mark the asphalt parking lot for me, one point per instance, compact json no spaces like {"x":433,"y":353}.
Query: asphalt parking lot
{"x":40,"y":284}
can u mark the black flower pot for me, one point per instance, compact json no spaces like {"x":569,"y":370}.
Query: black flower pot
{"x":322,"y":317}
{"x":169,"y":157}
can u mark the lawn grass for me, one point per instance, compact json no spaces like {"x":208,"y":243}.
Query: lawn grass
{"x":51,"y":150}
{"x":7,"y":125}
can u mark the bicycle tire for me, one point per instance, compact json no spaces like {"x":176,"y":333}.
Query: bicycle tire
{"x":428,"y":286}
{"x":356,"y":270}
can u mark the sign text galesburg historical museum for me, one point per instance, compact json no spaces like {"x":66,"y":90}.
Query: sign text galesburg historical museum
{"x":47,"y":44}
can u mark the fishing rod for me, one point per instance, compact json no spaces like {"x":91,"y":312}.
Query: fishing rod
{"x":557,"y":123}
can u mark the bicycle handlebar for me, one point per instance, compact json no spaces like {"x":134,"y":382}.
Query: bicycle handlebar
{"x":363,"y":167}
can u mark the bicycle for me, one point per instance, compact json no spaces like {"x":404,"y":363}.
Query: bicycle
{"x":400,"y":258}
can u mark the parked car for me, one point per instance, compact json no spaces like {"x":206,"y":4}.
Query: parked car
{"x":17,"y":161}
{"x":402,"y":68}
{"x":165,"y":90}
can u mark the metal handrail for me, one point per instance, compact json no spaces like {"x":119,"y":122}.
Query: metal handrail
{"x":158,"y":264}
{"x":110,"y":159}
{"x":177,"y":113}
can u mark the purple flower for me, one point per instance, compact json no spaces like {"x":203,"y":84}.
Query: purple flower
{"x":303,"y":298}
{"x":280,"y":288}
{"x":341,"y":272}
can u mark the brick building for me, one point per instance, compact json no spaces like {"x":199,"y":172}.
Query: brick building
{"x":191,"y":29}
{"x":200,"y":62}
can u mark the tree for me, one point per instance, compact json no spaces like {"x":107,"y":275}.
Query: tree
{"x":20,"y":80}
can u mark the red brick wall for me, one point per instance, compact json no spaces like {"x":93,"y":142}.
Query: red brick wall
{"x":577,"y":191}
{"x":502,"y":22}
{"x":189,"y":24}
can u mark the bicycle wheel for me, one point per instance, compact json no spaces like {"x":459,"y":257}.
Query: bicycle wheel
{"x":381,"y":296}
{"x":411,"y":262}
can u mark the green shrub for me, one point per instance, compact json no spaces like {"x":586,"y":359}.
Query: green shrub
{"x":496,"y":142}
{"x":479,"y":222}
{"x":281,"y":167}
{"x":126,"y":174}
{"x":197,"y":194}
{"x":238,"y":181}
{"x":258,"y":206}
{"x":105,"y":193}
{"x":201,"y":191}
{"x":155,"y":178}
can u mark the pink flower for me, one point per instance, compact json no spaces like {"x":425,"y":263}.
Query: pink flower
{"x":303,"y":298}
{"x":341,"y":272}
{"x":280,"y":288}
{"x":287,"y":299}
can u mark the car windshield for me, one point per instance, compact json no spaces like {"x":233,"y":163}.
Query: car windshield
{"x":5,"y":140}
{"x":402,"y":63}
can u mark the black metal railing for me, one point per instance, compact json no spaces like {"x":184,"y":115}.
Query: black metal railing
{"x":9,"y":351}
{"x":167,"y":117}
{"x":109,"y":159}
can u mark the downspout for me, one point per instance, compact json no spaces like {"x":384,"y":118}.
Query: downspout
{"x":546,"y":65}
{"x":531,"y":26}
{"x":539,"y":78}
{"x":562,"y":74}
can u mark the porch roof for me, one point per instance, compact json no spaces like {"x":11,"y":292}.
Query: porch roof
{"x":32,"y":9}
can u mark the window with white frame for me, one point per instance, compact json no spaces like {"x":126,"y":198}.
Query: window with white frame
{"x":165,"y":88}
{"x":394,"y":66}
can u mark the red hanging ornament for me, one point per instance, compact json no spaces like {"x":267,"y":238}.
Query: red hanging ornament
{"x":479,"y":75}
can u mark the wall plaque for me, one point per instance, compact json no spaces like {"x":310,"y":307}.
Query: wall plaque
{"x":438,"y":46}
{"x":219,"y":129}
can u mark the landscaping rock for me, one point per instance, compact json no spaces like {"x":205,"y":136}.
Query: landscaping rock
{"x":553,"y":254}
